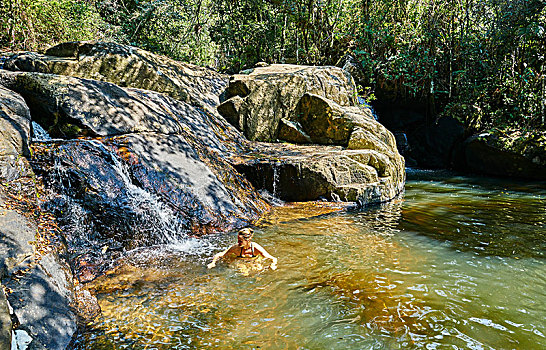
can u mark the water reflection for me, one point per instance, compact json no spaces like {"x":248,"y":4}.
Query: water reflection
{"x":483,"y":215}
{"x":394,"y":276}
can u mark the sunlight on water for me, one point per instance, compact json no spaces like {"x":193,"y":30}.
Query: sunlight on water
{"x":408,"y":274}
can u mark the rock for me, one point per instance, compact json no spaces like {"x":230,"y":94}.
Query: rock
{"x":292,"y":131}
{"x":40,"y":299}
{"x":66,"y":49}
{"x":303,"y":173}
{"x":16,"y":233}
{"x":181,"y":140}
{"x":127,"y":66}
{"x":144,"y":189}
{"x":68,"y":107}
{"x":231,"y":111}
{"x":513,"y":154}
{"x":41,"y":286}
{"x":14,"y":135}
{"x":312,"y":105}
{"x":271,"y":93}
{"x":354,"y":67}
{"x":323,"y":120}
{"x":5,"y":321}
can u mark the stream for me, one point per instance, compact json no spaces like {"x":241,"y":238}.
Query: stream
{"x":455,"y":262}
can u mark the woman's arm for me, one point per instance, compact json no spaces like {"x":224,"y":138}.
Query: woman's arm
{"x":266,"y":255}
{"x":218,"y":256}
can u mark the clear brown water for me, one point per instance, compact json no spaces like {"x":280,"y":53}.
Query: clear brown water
{"x":455,"y":263}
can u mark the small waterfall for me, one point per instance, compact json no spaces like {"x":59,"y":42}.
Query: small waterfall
{"x":147,"y":205}
{"x":275,"y":178}
{"x":39,"y":134}
{"x":117,"y":205}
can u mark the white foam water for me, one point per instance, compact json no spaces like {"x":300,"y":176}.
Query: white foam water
{"x":39,"y":134}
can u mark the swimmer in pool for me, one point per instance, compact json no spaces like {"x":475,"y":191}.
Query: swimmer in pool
{"x":244,"y":249}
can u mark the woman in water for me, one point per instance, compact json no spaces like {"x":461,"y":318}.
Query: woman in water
{"x":244,"y":249}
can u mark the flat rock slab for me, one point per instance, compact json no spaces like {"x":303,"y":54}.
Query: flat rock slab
{"x":303,"y":173}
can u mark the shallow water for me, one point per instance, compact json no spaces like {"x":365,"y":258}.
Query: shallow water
{"x":456,"y":262}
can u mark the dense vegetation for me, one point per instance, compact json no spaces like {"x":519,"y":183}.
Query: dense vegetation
{"x":482,"y":61}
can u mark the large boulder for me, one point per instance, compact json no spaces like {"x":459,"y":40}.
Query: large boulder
{"x":313,"y":105}
{"x":126,"y":66}
{"x":169,"y":136}
{"x":38,"y":279}
{"x":515,"y":154}
{"x":257,"y":99}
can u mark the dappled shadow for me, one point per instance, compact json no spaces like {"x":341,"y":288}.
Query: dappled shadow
{"x":40,"y":298}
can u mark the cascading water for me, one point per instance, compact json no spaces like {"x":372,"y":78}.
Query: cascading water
{"x":39,"y":134}
{"x":145,"y":203}
{"x":100,"y":205}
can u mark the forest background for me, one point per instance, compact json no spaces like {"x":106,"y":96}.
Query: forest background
{"x":480,"y":61}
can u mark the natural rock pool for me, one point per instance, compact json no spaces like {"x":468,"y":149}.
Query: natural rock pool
{"x":456,"y":262}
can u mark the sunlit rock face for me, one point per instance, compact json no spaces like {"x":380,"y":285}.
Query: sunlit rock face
{"x":312,"y":106}
{"x":126,"y":66}
{"x":258,"y":99}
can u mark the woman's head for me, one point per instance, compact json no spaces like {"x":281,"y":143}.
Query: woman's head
{"x":244,"y":236}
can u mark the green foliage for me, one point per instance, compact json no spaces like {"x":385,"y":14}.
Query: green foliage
{"x":176,"y":28}
{"x":482,"y":61}
{"x":36,"y":24}
{"x":482,"y":56}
